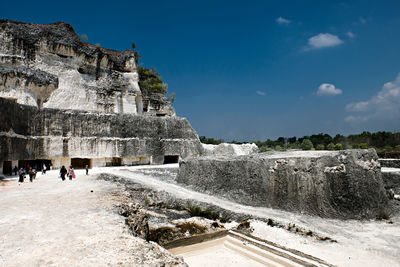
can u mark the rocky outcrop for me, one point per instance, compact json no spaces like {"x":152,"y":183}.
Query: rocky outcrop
{"x":49,"y":66}
{"x":226,"y":149}
{"x":391,"y":179}
{"x":27,"y":132}
{"x":336,"y":184}
{"x":136,"y":219}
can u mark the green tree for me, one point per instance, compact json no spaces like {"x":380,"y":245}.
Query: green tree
{"x":331,"y":146}
{"x":320,"y":147}
{"x":264,"y":149}
{"x":362,"y":145}
{"x":307,"y":144}
{"x":339,"y":146}
{"x":151,"y":82}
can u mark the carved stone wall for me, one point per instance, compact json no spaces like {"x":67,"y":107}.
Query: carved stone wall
{"x":27,"y":132}
{"x":338,"y":184}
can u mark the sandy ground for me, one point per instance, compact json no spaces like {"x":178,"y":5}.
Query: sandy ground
{"x":62,"y":223}
{"x":54,"y":223}
{"x":359,"y":243}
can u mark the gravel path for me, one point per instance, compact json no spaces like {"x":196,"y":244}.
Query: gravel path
{"x":62,"y":223}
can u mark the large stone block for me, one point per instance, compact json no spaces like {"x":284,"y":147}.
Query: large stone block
{"x":336,"y":184}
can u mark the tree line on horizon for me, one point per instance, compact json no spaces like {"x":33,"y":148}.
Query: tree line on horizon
{"x":382,"y":141}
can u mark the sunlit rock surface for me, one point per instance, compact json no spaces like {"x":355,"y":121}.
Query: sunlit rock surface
{"x":337,"y":184}
{"x":49,"y":66}
{"x":27,"y":132}
{"x":225,"y":149}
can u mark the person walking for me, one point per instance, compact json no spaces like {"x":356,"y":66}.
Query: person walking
{"x":31,"y":174}
{"x":21,"y":174}
{"x":71,"y":172}
{"x":44,"y":169}
{"x":63,"y":172}
{"x":15,"y":170}
{"x":87,"y":169}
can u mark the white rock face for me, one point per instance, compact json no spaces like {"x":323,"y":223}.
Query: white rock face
{"x":225,"y":149}
{"x":48,"y":66}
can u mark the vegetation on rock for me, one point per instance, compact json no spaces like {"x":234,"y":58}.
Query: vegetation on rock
{"x":150,"y":81}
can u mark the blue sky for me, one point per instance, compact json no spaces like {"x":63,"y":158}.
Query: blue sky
{"x":252,"y":70}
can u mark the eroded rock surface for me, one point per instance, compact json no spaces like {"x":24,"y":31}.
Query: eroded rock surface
{"x":339,"y":184}
{"x":391,"y":180}
{"x":49,"y":66}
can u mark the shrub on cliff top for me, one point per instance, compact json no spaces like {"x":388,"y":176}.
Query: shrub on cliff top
{"x":150,"y":81}
{"x":307,"y":145}
{"x":320,"y":147}
{"x":338,"y":146}
{"x":331,"y":146}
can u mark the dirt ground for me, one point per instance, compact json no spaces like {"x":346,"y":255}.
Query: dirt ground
{"x":63,"y":223}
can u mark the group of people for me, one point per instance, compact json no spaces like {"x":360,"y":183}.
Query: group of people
{"x":22,"y":172}
{"x":31,"y":171}
{"x":70,"y":173}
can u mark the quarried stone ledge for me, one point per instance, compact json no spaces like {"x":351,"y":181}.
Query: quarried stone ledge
{"x":28,"y":133}
{"x":335,"y":184}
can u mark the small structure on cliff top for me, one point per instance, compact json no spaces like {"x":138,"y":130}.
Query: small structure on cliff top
{"x":65,"y":101}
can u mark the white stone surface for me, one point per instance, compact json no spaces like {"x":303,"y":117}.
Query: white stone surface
{"x":226,"y":149}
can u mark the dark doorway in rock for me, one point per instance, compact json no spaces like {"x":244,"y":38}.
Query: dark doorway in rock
{"x":80,"y":163}
{"x":35,"y":163}
{"x":171,"y":159}
{"x":7,"y":167}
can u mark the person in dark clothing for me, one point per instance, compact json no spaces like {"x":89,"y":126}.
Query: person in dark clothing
{"x":87,"y":169}
{"x":63,"y":172}
{"x":15,"y":170}
{"x":31,"y":174}
{"x":21,"y":174}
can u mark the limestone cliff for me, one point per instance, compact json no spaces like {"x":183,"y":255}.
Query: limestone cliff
{"x":28,"y":133}
{"x":339,"y":184}
{"x":49,"y":66}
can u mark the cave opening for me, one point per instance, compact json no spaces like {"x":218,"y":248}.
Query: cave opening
{"x":80,"y":163}
{"x":171,"y":159}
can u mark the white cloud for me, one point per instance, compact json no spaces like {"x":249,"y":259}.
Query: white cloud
{"x":323,"y":40}
{"x":385,"y":104}
{"x":261,"y":93}
{"x":359,"y":106}
{"x":352,"y":118}
{"x":283,"y":21}
{"x":350,"y":35}
{"x":327,"y":89}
